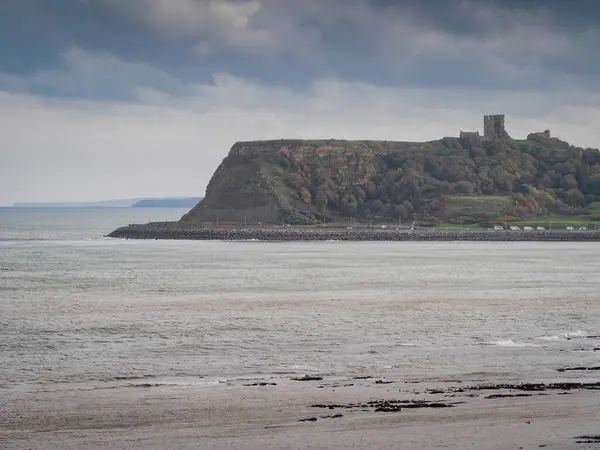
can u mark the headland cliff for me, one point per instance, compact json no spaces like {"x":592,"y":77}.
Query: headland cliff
{"x":473,"y":179}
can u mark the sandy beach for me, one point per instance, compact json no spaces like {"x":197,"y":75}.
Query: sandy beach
{"x":282,"y":416}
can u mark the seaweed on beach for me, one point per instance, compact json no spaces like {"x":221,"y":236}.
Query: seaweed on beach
{"x":588,"y":439}
{"x":308,"y":378}
{"x":387,"y":405}
{"x":578,"y":368}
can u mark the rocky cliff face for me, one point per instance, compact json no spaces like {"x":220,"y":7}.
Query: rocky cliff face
{"x":306,"y":182}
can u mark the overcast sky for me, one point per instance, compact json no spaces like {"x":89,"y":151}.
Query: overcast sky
{"x":107,"y":99}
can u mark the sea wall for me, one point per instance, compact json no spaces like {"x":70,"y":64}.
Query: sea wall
{"x":175,"y":231}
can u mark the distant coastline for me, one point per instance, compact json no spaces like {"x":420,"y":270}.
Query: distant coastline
{"x":142,"y":202}
{"x":167,"y":203}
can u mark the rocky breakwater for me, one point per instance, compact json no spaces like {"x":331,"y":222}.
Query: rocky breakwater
{"x":176,"y":231}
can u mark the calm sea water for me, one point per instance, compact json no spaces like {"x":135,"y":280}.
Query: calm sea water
{"x":77,"y":309}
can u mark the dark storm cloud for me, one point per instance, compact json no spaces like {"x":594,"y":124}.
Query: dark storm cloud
{"x":503,"y":44}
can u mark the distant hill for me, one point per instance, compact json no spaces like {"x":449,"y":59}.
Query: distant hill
{"x":118,"y":203}
{"x":168,"y":203}
{"x":470,"y":179}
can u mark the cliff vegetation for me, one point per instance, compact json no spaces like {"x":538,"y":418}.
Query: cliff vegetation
{"x":466,"y":180}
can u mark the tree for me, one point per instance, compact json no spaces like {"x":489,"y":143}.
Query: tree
{"x":568,"y":182}
{"x":296,"y":180}
{"x":321,"y":201}
{"x":464,"y":187}
{"x":574,"y":197}
{"x":360,"y":193}
{"x":386,"y":209}
{"x":305,"y":195}
{"x":592,"y":186}
{"x":371,"y":189}
{"x":400,"y":212}
{"x":376,"y":205}
{"x":348,"y":207}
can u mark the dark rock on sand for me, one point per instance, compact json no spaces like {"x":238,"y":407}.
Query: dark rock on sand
{"x":593,"y":439}
{"x":308,"y":378}
{"x":567,"y":369}
{"x":563,"y":386}
{"x":591,"y":336}
{"x":335,"y":416}
{"x":387,"y":405}
{"x":309,"y":419}
{"x":507,"y":395}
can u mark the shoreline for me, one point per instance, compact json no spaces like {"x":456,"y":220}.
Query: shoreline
{"x":175,"y":231}
{"x":354,"y":413}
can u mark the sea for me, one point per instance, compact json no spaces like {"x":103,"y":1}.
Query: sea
{"x":79,"y":310}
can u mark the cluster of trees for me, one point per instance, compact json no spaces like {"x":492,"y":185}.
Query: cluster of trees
{"x":404,"y":180}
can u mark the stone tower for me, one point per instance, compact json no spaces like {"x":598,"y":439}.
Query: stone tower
{"x":493,"y":127}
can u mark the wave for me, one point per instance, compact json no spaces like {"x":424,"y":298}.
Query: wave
{"x":554,"y":337}
{"x":509,"y":343}
{"x":235,"y":240}
{"x":565,"y":336}
{"x":575,"y":334}
{"x":131,"y":377}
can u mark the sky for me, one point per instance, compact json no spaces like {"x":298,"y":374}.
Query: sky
{"x":105,"y":99}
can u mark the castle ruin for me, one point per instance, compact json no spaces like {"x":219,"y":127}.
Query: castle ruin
{"x":493,"y":128}
{"x":469,"y":134}
{"x":542,"y":134}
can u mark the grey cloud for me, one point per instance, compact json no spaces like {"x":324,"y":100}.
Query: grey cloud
{"x":94,"y":74}
{"x":505,"y":43}
{"x":247,"y":25}
{"x":499,"y":44}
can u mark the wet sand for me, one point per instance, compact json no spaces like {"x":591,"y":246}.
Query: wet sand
{"x":282,"y":416}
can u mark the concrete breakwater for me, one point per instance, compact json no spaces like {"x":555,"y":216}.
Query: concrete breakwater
{"x":175,"y":231}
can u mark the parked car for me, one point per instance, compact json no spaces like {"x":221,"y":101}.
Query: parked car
{"x":582,"y":228}
{"x":540,"y":229}
{"x":570,"y":228}
{"x":528,"y":228}
{"x":515,"y":229}
{"x":498,"y":228}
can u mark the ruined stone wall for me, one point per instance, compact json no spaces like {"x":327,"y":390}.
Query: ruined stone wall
{"x":493,"y":127}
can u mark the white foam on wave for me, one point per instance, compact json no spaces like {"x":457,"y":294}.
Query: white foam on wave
{"x":554,"y":337}
{"x":563,"y":336}
{"x":509,"y":343}
{"x":578,"y":333}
